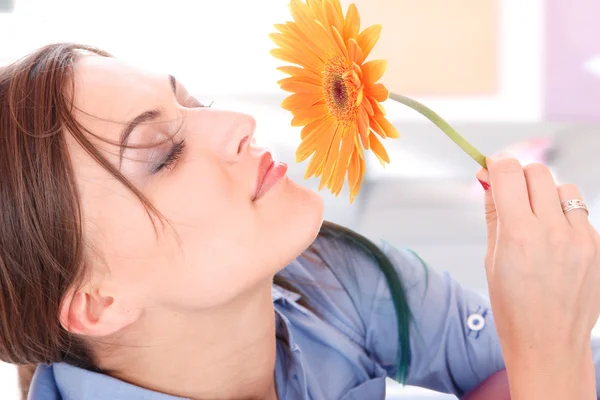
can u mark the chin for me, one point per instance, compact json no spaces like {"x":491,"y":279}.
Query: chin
{"x":298,"y":215}
{"x":308,"y":203}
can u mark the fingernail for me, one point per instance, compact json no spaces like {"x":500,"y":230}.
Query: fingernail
{"x":499,"y":156}
{"x":486,"y":186}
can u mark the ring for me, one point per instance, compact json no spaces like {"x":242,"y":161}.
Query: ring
{"x":571,"y":205}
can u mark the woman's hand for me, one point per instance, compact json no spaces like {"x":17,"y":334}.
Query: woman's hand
{"x":543,"y":271}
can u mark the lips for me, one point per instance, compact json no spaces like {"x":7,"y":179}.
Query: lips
{"x":269,"y":174}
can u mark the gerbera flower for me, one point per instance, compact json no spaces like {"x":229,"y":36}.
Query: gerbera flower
{"x":336,"y":97}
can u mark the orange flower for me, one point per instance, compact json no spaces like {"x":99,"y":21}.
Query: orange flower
{"x":336,"y":97}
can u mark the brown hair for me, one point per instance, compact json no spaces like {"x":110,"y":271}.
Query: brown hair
{"x":25,"y":374}
{"x":42,"y":249}
{"x":41,"y":241}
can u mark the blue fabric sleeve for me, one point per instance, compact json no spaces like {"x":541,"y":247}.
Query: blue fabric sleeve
{"x":352,"y":294}
{"x":453,"y":339}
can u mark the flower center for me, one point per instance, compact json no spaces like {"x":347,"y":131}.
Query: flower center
{"x":338,"y":91}
{"x":341,"y":90}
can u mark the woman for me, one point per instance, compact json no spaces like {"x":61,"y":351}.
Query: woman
{"x":141,"y":233}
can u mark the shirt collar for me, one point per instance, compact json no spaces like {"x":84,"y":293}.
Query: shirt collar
{"x":62,"y":381}
{"x":279,"y":294}
{"x":75,"y":383}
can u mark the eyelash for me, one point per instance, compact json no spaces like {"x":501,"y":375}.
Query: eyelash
{"x":192,"y":102}
{"x":172,"y":157}
{"x":177,"y":149}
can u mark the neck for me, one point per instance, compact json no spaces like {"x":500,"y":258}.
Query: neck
{"x":222,"y":353}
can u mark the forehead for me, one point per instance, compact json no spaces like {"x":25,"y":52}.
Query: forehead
{"x":109,"y":92}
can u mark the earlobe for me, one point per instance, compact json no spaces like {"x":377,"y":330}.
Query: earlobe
{"x":88,"y":313}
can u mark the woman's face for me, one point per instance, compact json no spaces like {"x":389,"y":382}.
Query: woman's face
{"x":221,"y":239}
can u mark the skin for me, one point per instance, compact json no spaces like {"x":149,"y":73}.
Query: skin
{"x":194,"y":301}
{"x":197,"y":308}
{"x":543,"y":271}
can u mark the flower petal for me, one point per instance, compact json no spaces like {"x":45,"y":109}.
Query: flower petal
{"x":335,"y":16}
{"x":363,"y":127}
{"x":307,"y":115}
{"x":373,"y":70}
{"x":309,"y":23}
{"x":378,"y":91}
{"x":312,"y":125}
{"x":389,"y":129}
{"x":317,"y":46}
{"x":301,"y":100}
{"x":320,"y":136}
{"x":355,"y":52}
{"x":352,"y":22}
{"x":357,"y":70}
{"x":358,"y":146}
{"x":315,"y":165}
{"x":378,"y":149}
{"x":377,"y":107}
{"x":341,"y":167}
{"x":353,"y":169}
{"x":309,"y":62}
{"x":329,"y":49}
{"x":302,"y":74}
{"x":316,"y":162}
{"x":360,"y":96}
{"x":327,"y":34}
{"x":332,"y":155}
{"x":340,"y":41}
{"x":368,"y":108}
{"x":375,"y":127}
{"x":317,"y":8}
{"x":283,"y":28}
{"x":292,"y":44}
{"x":368,"y":38}
{"x":338,"y":9}
{"x":361,"y":172}
{"x":296,"y":86}
{"x":303,"y":16}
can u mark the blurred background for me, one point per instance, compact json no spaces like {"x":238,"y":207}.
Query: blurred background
{"x":510,"y":75}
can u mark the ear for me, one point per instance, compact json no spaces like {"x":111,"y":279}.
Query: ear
{"x":87,"y":311}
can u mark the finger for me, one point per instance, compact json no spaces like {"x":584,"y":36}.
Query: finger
{"x":543,"y":196}
{"x":509,"y":189}
{"x":578,"y":218}
{"x":491,"y":217}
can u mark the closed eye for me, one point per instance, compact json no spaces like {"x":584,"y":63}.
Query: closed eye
{"x":171,"y":158}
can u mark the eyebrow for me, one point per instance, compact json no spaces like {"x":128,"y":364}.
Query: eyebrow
{"x":146,"y":116}
{"x":173,"y":84}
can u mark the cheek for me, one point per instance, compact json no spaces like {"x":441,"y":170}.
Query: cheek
{"x":211,"y":214}
{"x":122,"y":237}
{"x":206,"y":204}
{"x":197,"y":192}
{"x":113,"y":214}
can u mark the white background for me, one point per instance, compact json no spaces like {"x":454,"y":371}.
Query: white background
{"x":221,"y":48}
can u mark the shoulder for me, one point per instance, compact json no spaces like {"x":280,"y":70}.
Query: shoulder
{"x":341,"y":280}
{"x":332,"y":265}
{"x":338,"y":262}
{"x":326,"y":277}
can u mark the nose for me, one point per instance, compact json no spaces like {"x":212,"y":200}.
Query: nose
{"x":229,"y":133}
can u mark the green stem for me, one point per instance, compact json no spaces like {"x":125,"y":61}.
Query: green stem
{"x":443,"y":125}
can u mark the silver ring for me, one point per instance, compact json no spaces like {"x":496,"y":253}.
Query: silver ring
{"x":574,"y":204}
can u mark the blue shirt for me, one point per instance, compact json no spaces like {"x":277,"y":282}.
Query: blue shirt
{"x":345,"y":344}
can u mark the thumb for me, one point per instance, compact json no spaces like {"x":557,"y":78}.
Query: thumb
{"x":491,"y":217}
